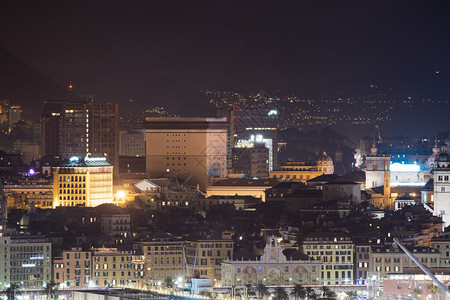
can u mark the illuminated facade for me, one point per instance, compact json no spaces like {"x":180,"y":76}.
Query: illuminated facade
{"x":273,"y":268}
{"x":406,"y":174}
{"x":84,"y":181}
{"x":304,"y":171}
{"x":257,"y":124}
{"x":193,"y":149}
{"x":204,"y":257}
{"x":441,"y":176}
{"x":378,"y":178}
{"x":113,"y":267}
{"x":336,"y":253}
{"x":164,"y":257}
{"x":26,"y":261}
{"x":73,"y":269}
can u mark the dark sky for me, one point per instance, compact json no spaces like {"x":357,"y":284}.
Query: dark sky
{"x":239,"y":44}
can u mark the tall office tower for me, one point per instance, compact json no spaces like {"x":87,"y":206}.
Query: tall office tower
{"x":193,"y":149}
{"x":2,"y":210}
{"x":76,"y":129}
{"x":255,"y":125}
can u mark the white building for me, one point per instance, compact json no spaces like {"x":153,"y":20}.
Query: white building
{"x":26,"y":261}
{"x":194,"y":149}
{"x":441,"y":176}
{"x":273,"y":268}
{"x":378,"y":178}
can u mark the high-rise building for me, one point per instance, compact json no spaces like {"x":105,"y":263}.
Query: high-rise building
{"x":3,"y":210}
{"x":252,"y":160}
{"x":255,"y":124}
{"x":84,"y":181}
{"x":76,"y":129}
{"x":132,"y":143}
{"x":194,"y":149}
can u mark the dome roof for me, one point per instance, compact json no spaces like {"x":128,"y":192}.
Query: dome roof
{"x":443,"y":157}
{"x":324,"y":159}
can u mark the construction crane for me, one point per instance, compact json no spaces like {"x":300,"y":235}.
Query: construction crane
{"x":423,"y":268}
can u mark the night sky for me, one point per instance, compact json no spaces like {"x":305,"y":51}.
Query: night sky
{"x":233,"y":44}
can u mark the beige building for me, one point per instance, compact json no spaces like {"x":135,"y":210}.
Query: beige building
{"x":39,"y":192}
{"x":304,"y":171}
{"x":442,"y":244}
{"x":273,"y":268}
{"x":111,"y":267}
{"x":164,"y":257}
{"x":84,"y":181}
{"x":336,"y":252}
{"x":393,"y":260}
{"x":73,"y":269}
{"x":204,"y":258}
{"x":241,"y":187}
{"x":194,"y":149}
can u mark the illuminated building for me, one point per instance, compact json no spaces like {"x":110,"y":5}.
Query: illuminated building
{"x":304,"y":171}
{"x":76,"y":129}
{"x":335,"y":252}
{"x":406,"y":174}
{"x":26,"y":191}
{"x":252,"y":160}
{"x":378,"y":178}
{"x":402,"y":201}
{"x":387,"y":260}
{"x":441,"y":190}
{"x":72,"y":269}
{"x":255,"y":122}
{"x":82,"y":181}
{"x":204,"y":257}
{"x":26,"y":261}
{"x":241,"y":187}
{"x":193,"y":149}
{"x":112,"y":267}
{"x":164,"y":257}
{"x":272,"y":268}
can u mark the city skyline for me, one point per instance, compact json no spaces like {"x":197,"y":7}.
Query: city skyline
{"x":166,"y":53}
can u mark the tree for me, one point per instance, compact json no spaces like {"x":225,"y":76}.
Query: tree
{"x":351,"y":295}
{"x":168,"y":282}
{"x":50,"y":289}
{"x":250,"y":290}
{"x":327,"y":293}
{"x":12,"y":291}
{"x":417,"y":292}
{"x":299,"y":292}
{"x":310,"y":293}
{"x":281,"y":294}
{"x":262,"y":291}
{"x":434,"y":289}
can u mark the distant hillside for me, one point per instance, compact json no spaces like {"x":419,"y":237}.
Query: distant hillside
{"x":119,"y":83}
{"x":24,"y":85}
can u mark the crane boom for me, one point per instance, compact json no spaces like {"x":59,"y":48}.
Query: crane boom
{"x":423,"y":268}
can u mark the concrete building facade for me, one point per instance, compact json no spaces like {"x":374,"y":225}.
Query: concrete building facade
{"x":190,"y":148}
